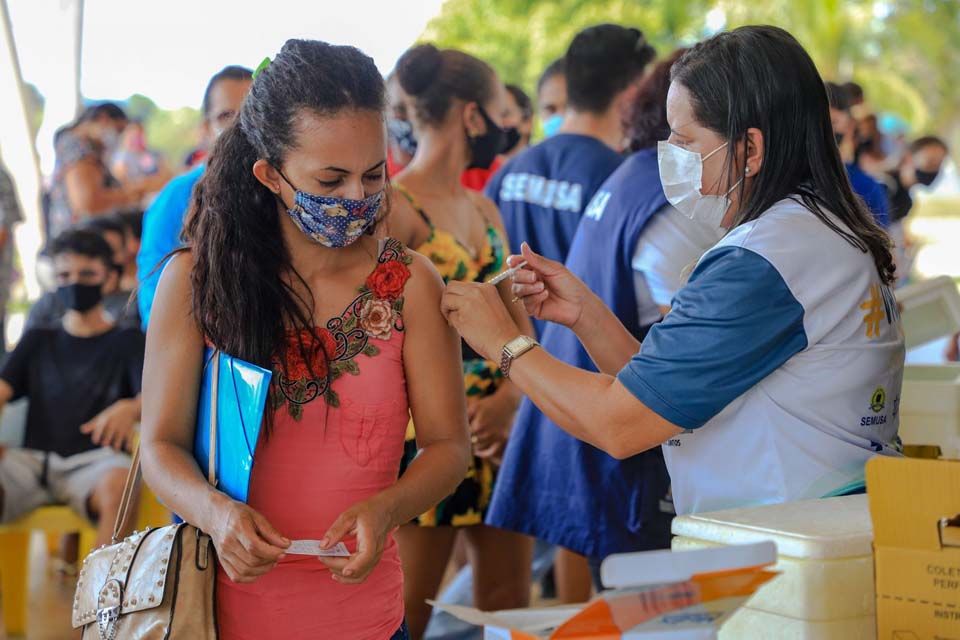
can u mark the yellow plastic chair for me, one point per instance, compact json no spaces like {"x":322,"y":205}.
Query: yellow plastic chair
{"x":56,"y":521}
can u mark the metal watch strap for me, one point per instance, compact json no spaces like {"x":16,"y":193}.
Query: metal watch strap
{"x":507,"y":357}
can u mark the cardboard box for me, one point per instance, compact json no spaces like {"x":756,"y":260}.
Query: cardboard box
{"x":914,"y":505}
{"x":683,"y":595}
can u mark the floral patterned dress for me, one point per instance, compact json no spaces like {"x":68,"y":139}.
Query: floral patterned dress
{"x":339,"y":419}
{"x":468,"y":504}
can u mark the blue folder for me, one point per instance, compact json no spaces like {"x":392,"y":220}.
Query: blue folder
{"x":241,"y":399}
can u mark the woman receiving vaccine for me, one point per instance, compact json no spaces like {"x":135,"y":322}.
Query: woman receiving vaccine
{"x":283,"y":270}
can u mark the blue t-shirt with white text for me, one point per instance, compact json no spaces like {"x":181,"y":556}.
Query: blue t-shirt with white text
{"x":543,"y":192}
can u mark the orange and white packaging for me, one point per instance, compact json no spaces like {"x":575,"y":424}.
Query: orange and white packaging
{"x":675,"y":595}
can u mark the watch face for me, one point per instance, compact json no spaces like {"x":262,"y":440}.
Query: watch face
{"x":519,"y":344}
{"x":515,"y":344}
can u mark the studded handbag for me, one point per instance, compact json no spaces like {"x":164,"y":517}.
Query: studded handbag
{"x":155,"y":584}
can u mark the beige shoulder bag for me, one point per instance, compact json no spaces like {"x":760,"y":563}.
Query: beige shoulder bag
{"x":156,"y":584}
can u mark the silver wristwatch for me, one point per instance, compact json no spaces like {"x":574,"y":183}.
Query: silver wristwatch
{"x":513,"y":350}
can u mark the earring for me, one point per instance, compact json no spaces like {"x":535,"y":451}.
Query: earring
{"x":747,"y":171}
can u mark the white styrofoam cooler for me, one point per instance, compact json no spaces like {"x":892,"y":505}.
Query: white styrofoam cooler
{"x":825,"y":554}
{"x":750,"y":624}
{"x":930,"y":309}
{"x":930,"y":407}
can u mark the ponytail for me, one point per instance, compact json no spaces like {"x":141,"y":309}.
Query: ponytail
{"x":240,"y":258}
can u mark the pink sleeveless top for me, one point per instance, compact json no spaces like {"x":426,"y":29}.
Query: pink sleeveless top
{"x":337,"y":438}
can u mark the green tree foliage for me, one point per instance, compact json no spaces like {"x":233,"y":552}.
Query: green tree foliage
{"x":905,"y":53}
{"x":173,"y":133}
{"x":35,"y":104}
{"x":521,"y":37}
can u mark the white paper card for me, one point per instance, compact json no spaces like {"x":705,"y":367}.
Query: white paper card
{"x":312,"y":548}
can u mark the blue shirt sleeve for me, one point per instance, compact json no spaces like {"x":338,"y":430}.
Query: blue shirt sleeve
{"x":734,"y":323}
{"x":878,"y":205}
{"x":873,"y":193}
{"x":161,"y":235}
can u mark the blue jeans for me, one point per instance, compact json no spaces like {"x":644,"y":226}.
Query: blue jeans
{"x":402,"y":633}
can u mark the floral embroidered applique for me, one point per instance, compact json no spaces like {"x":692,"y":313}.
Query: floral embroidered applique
{"x":332,"y":351}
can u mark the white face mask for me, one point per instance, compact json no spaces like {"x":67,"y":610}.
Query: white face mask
{"x":681,"y":174}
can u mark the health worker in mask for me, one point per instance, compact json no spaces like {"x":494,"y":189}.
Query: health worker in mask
{"x":776,"y":374}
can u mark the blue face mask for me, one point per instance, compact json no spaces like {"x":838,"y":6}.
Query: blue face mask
{"x":401,"y":133}
{"x":333,"y":222}
{"x":552,"y":124}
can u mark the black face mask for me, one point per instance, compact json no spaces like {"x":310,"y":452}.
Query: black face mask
{"x":839,"y":138}
{"x":80,"y":297}
{"x":926,"y":178}
{"x":511,"y":139}
{"x":485,"y":148}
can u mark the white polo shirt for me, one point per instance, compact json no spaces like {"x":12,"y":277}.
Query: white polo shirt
{"x":783,"y":359}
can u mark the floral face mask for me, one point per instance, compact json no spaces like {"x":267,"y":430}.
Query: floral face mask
{"x":330,"y":221}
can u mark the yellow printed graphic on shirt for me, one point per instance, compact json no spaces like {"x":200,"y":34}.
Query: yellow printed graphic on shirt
{"x":875,"y":313}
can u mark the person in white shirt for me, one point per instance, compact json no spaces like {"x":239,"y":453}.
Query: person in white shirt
{"x":777,"y":372}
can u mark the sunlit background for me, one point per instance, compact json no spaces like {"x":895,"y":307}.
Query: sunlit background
{"x":156,"y":57}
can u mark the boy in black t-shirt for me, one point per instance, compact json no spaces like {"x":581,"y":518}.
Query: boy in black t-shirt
{"x":82,"y":379}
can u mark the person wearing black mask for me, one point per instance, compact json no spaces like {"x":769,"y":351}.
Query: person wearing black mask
{"x":844,"y":127}
{"x":920,"y":165}
{"x":82,"y":379}
{"x":518,"y":120}
{"x":457,"y":103}
{"x":49,"y":309}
